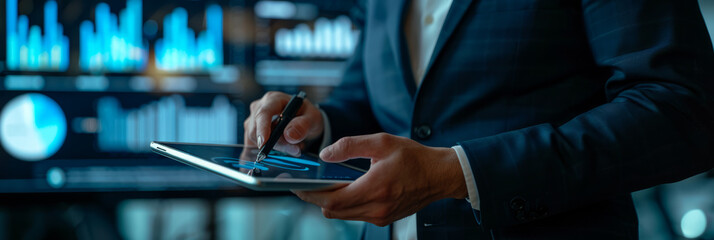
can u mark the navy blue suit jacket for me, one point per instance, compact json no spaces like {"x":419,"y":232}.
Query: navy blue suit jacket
{"x":563,"y":107}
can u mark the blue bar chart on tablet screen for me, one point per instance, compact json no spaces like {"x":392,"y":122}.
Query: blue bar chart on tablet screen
{"x":181,"y":51}
{"x":27,"y":49}
{"x":111,"y":43}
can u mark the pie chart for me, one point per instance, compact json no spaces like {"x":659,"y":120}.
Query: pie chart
{"x":32,"y":127}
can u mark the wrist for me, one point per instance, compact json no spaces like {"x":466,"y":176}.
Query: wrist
{"x":452,"y":180}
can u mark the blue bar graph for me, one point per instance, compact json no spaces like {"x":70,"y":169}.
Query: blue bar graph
{"x":113,"y":44}
{"x":168,"y":119}
{"x":181,"y":51}
{"x":329,"y":39}
{"x":29,"y":50}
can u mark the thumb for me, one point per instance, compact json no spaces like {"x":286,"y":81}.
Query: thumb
{"x":365,"y":146}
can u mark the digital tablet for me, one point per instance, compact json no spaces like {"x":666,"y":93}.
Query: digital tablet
{"x":278,"y":172}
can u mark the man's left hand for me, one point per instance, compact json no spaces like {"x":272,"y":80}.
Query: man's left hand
{"x":404,"y":177}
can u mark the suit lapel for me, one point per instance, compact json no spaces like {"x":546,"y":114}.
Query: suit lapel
{"x":398,"y":42}
{"x":456,"y":13}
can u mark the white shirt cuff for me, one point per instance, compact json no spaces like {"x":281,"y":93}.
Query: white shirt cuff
{"x":326,"y":132}
{"x":469,"y":176}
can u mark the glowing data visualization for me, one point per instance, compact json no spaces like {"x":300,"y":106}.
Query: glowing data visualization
{"x":181,"y":50}
{"x":32,"y":127}
{"x":113,"y":44}
{"x":168,"y":119}
{"x":274,"y":161}
{"x":113,"y":40}
{"x":330,"y":38}
{"x":28,"y":49}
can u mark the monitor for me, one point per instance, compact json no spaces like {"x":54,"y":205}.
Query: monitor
{"x":85,"y":86}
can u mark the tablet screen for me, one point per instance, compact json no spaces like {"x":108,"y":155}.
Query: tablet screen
{"x":276,"y":165}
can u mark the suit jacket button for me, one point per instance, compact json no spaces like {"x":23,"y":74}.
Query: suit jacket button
{"x":422,"y":132}
{"x":542,"y":211}
{"x":518,"y":204}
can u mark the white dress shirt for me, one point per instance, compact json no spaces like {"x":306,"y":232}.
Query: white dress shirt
{"x":422,"y":27}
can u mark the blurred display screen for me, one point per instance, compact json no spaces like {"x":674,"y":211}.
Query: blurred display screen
{"x":86,"y":85}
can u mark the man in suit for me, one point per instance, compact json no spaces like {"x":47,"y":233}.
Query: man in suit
{"x":510,"y":119}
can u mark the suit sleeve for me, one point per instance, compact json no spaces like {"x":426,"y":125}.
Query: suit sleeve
{"x":348,"y":107}
{"x":656,"y":127}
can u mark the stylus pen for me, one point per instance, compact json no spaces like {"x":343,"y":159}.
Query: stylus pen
{"x":285,"y":117}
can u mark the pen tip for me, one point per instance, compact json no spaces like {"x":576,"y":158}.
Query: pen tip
{"x":260,"y":157}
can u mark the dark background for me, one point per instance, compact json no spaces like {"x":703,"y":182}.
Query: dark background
{"x":115,"y":193}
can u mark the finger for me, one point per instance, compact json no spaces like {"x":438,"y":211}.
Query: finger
{"x":291,"y":149}
{"x":249,"y":124}
{"x":361,"y":214}
{"x":353,"y":195}
{"x":317,"y":198}
{"x":248,"y":127}
{"x":365,"y":146}
{"x":254,"y":105}
{"x":369,"y":207}
{"x":357,"y":214}
{"x":249,"y":135}
{"x":371,"y":213}
{"x":356,"y":201}
{"x":357,"y":193}
{"x":332,"y":188}
{"x":272,"y":104}
{"x":298,"y":129}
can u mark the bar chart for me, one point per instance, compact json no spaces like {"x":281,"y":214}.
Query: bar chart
{"x":182,"y":51}
{"x":330,"y":39}
{"x":168,"y":119}
{"x":28,"y":49}
{"x":113,"y":44}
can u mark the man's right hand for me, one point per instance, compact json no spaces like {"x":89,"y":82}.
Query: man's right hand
{"x":306,"y":126}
